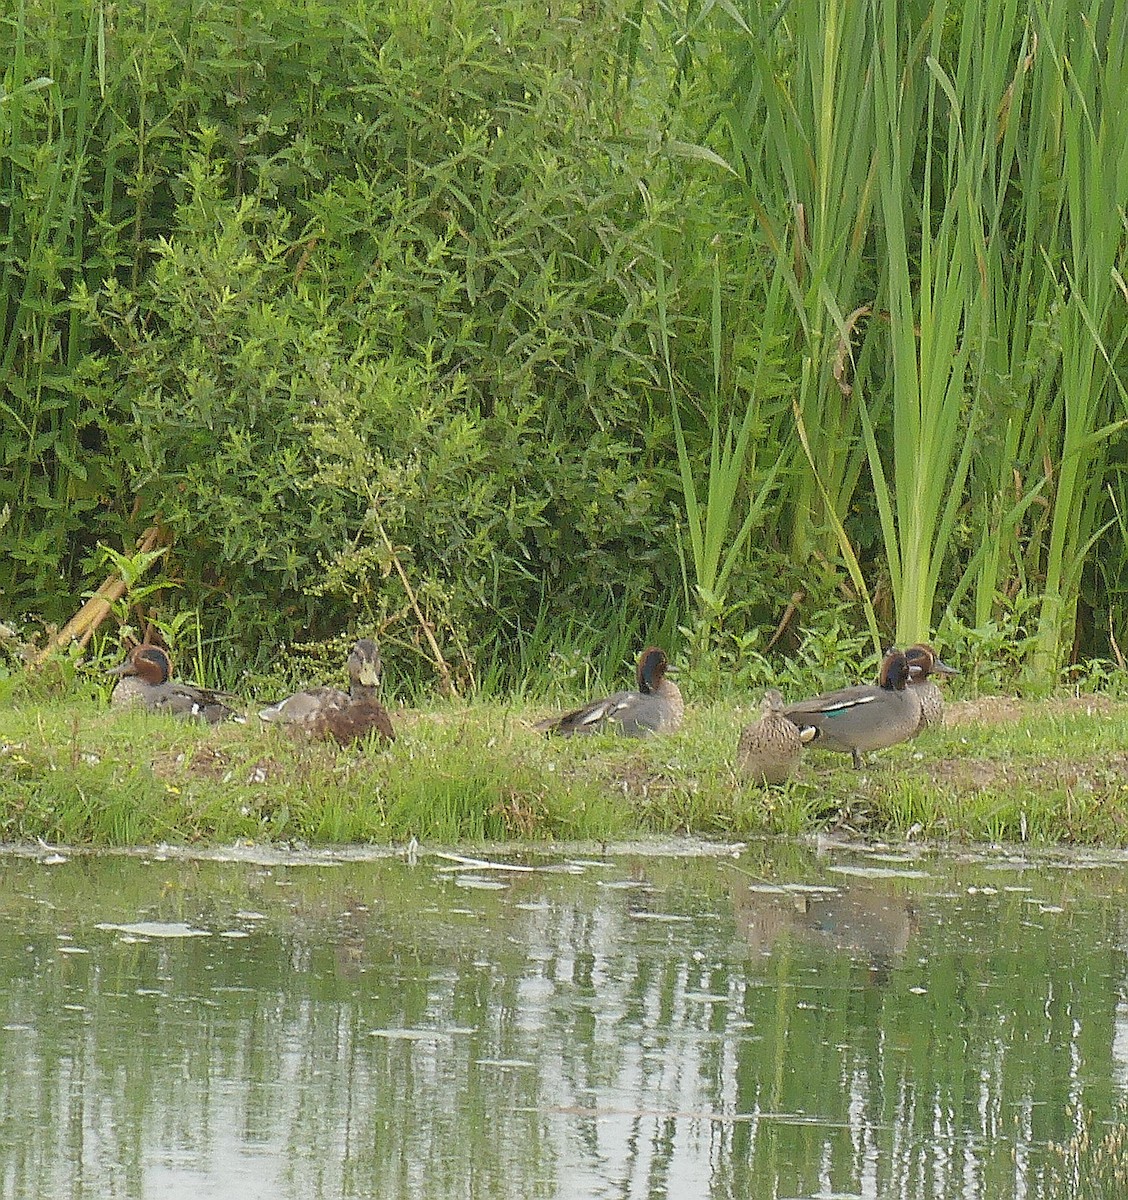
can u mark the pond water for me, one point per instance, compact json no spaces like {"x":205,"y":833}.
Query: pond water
{"x":768,"y":1022}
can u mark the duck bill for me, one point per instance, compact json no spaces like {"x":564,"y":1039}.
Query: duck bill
{"x":125,"y":668}
{"x":943,"y":668}
{"x":369,"y":674}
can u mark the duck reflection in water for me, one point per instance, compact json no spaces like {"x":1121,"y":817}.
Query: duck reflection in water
{"x":872,"y":925}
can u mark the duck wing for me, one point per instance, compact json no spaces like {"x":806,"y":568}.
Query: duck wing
{"x":184,"y":700}
{"x":641,"y":715}
{"x":592,"y":718}
{"x":305,"y":706}
{"x":633,"y":714}
{"x":831,"y":704}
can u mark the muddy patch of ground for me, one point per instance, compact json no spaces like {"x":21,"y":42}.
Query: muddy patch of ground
{"x":983,"y":774}
{"x":995,"y":710}
{"x":210,"y":762}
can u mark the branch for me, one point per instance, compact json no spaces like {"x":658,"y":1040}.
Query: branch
{"x":82,"y":625}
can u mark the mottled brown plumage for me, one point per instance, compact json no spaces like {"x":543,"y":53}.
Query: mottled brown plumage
{"x":328,"y":714}
{"x":769,"y":749}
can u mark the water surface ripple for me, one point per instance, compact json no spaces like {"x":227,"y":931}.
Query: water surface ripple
{"x":767,"y":1022}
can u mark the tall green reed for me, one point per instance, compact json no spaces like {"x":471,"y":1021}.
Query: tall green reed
{"x":46,"y":120}
{"x":932,"y":289}
{"x":1084,"y":64}
{"x":961,"y":286}
{"x":944,"y":183}
{"x":799,"y":122}
{"x":1042,"y":357}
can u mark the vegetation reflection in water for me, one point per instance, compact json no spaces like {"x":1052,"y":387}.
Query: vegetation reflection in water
{"x":773,"y":1025}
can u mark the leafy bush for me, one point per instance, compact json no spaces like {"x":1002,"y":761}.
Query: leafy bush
{"x":390,"y":446}
{"x":475,"y":319}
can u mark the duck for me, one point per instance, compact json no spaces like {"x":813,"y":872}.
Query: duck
{"x":328,"y":714}
{"x":923,"y":662}
{"x":866,"y":717}
{"x":769,"y":749}
{"x":655,"y":706}
{"x":144,"y":681}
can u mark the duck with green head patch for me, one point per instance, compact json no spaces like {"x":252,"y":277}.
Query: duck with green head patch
{"x":655,"y":706}
{"x":867,"y":717}
{"x":923,"y":663}
{"x":145,"y":682}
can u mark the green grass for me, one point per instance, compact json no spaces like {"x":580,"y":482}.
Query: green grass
{"x":73,"y":772}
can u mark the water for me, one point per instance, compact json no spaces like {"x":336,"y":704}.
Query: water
{"x":773,"y":1025}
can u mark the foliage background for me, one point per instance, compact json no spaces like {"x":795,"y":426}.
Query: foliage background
{"x":570,"y":327}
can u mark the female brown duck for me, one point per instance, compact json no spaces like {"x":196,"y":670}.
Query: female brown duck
{"x":328,"y":714}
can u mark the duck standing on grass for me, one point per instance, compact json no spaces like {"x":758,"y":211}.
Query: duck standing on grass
{"x":769,"y":749}
{"x":923,"y":662}
{"x":655,"y":706}
{"x":145,"y":683}
{"x":866,"y":717}
{"x":328,"y":714}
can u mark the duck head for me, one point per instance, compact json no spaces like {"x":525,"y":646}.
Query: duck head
{"x":651,"y":670}
{"x":771,"y":707}
{"x":895,"y":671}
{"x":364,"y":663}
{"x":151,"y":664}
{"x":924,"y":661}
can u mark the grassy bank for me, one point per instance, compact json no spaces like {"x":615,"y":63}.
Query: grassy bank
{"x":1000,"y":770}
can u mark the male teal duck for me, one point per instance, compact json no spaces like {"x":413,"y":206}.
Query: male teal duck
{"x":769,"y":749}
{"x":144,"y":681}
{"x":854,"y":720}
{"x":923,"y":662}
{"x":328,"y":714}
{"x":655,"y":706}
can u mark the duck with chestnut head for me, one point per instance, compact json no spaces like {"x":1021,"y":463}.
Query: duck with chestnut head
{"x":145,"y":681}
{"x":655,"y":706}
{"x":924,"y":662}
{"x":854,"y":720}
